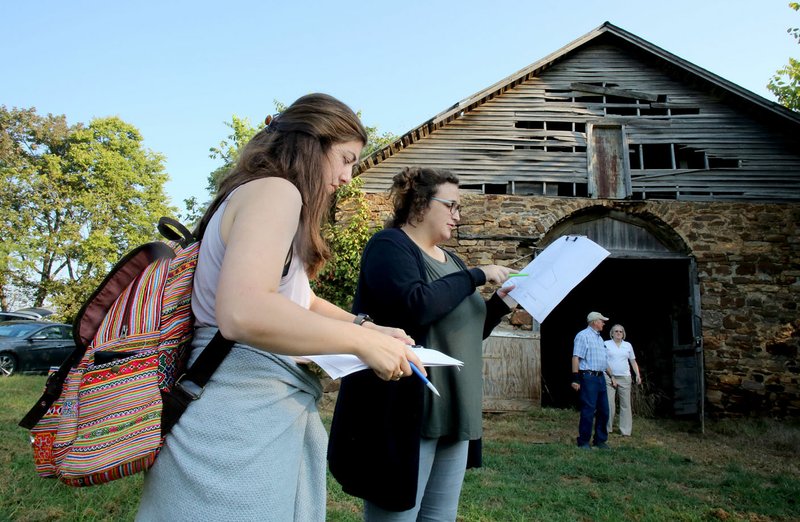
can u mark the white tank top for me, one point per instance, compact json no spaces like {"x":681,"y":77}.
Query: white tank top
{"x":293,"y":286}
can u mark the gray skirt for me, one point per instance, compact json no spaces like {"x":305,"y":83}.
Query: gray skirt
{"x":251,"y":448}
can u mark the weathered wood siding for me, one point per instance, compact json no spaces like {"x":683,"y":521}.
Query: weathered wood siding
{"x":512,"y":378}
{"x":685,"y":141}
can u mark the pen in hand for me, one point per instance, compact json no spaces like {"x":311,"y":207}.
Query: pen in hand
{"x":428,"y":383}
{"x":518,"y":274}
{"x":414,"y":369}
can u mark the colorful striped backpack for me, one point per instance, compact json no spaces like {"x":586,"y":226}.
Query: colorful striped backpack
{"x":106,"y":410}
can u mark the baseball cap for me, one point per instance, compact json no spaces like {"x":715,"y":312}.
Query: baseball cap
{"x":594,"y":316}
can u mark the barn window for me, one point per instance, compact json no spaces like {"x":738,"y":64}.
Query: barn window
{"x":661,"y":194}
{"x":559,"y":125}
{"x":577,"y":190}
{"x":688,"y":158}
{"x":550,"y":188}
{"x":647,"y":110}
{"x":723,"y":163}
{"x":681,"y":111}
{"x":487,"y":188}
{"x":495,"y":188}
{"x":535,"y":188}
{"x":656,"y":156}
{"x":618,"y":101}
{"x":551,"y":136}
{"x":621,"y":106}
{"x":676,"y":156}
{"x":635,"y":156}
{"x":524,"y":124}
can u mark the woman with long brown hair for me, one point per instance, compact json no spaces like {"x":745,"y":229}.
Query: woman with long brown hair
{"x":252,"y":447}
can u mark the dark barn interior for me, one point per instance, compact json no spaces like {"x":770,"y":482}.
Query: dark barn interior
{"x":650,"y":298}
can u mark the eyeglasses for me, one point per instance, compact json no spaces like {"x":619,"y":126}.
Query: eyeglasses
{"x":452,"y":204}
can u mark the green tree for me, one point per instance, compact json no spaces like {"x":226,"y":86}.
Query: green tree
{"x":74,"y":200}
{"x":228,"y":151}
{"x":348,"y":231}
{"x":23,"y":137}
{"x":229,"y":148}
{"x":785,"y":85}
{"x":376,"y":140}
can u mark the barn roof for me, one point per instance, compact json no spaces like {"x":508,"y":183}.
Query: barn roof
{"x":607,"y":32}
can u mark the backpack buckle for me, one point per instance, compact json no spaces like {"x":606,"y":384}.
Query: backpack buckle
{"x":188,"y":389}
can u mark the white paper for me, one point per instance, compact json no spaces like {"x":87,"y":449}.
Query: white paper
{"x":337,"y":366}
{"x":554,"y":272}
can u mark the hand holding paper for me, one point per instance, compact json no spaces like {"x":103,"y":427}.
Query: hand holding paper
{"x":339,"y":365}
{"x":554,"y":272}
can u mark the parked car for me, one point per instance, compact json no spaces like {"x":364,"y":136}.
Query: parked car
{"x":8,"y":316}
{"x":33,"y":346}
{"x":36,"y":311}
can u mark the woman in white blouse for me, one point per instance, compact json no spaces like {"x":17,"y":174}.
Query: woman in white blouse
{"x":621,"y":359}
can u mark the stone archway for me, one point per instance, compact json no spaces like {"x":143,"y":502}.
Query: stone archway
{"x":646,"y":284}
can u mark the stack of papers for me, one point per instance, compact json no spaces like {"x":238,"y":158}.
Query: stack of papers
{"x":337,"y":366}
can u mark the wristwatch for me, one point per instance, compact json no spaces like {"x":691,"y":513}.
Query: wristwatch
{"x":362,"y":318}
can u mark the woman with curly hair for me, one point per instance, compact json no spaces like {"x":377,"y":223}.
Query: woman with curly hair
{"x":402,"y":450}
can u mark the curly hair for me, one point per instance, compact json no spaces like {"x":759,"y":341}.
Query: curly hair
{"x":294,"y":146}
{"x":412,"y":190}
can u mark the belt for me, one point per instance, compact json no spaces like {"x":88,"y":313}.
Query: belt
{"x":592,"y":372}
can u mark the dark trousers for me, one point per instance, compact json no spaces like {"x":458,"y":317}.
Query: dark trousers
{"x":594,"y":408}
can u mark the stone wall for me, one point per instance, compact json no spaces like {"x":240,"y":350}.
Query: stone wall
{"x":748,"y":260}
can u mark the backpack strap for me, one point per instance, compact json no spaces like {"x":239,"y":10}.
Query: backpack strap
{"x":189,"y":386}
{"x":174,"y":230}
{"x":52,"y":389}
{"x":287,"y":263}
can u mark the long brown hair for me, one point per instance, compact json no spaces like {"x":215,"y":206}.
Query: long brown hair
{"x":412,"y":190}
{"x":294,"y":146}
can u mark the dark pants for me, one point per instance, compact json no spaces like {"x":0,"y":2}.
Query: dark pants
{"x":594,"y":407}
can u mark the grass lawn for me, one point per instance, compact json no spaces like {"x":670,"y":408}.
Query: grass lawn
{"x":738,"y":470}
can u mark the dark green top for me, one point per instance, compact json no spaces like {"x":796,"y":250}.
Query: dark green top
{"x":456,"y":415}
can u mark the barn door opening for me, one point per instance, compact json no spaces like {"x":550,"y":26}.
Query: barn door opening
{"x":649,"y":285}
{"x":646,"y":296}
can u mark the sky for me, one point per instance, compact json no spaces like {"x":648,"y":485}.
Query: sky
{"x":178,"y":70}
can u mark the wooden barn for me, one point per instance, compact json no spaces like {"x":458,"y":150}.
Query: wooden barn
{"x":690,"y":181}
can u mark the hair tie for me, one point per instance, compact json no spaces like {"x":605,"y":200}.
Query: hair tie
{"x":271,"y":122}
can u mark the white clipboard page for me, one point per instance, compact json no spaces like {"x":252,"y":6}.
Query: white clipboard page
{"x":554,"y":272}
{"x":337,"y":366}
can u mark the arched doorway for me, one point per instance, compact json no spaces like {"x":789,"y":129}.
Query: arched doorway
{"x":649,"y":285}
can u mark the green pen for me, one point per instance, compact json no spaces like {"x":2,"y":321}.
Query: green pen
{"x":518,"y":274}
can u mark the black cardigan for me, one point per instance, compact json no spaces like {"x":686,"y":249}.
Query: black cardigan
{"x":373,"y":450}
